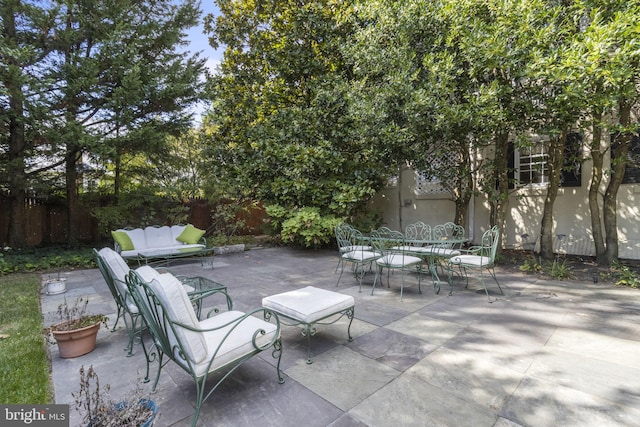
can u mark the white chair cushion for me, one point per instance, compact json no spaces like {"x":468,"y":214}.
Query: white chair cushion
{"x":443,"y":252}
{"x":308,"y":304}
{"x":172,"y":294}
{"x":147,"y":273}
{"x":118,"y":266}
{"x":471,"y":260}
{"x":398,"y":260}
{"x":355,"y":248}
{"x":119,"y":270}
{"x":360,"y":255}
{"x":239,"y":343}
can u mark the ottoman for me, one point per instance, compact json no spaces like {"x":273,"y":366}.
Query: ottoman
{"x":311,"y":306}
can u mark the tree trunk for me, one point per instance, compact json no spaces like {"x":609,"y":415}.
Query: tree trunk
{"x":500,"y":202}
{"x":72,"y":193}
{"x":555,"y":162}
{"x":618,"y":166}
{"x":464,"y":188}
{"x":594,"y":188}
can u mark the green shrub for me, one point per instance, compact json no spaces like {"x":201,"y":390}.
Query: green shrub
{"x":531,"y":266}
{"x":624,"y":275}
{"x":306,"y":227}
{"x":51,"y":259}
{"x":559,"y":269}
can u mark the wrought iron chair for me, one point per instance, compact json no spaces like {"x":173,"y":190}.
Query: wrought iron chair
{"x":449,"y":231}
{"x":418,"y":231}
{"x":114,"y":269}
{"x":449,"y":237}
{"x":478,"y":258}
{"x":220,"y":343}
{"x":352,"y":250}
{"x":395,"y":255}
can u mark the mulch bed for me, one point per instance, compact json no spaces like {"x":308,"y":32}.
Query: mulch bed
{"x":581,"y":268}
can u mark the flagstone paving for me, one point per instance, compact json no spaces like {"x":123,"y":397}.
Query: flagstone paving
{"x":547,"y":353}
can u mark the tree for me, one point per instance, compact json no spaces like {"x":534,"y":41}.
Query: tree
{"x":21,"y":48}
{"x":280,"y":121}
{"x":117,"y":71}
{"x":108,"y":75}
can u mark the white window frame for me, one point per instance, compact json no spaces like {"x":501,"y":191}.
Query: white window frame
{"x":532,"y":163}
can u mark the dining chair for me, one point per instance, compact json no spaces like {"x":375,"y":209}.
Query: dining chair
{"x":394,"y":255}
{"x":478,"y":258}
{"x":353,"y":249}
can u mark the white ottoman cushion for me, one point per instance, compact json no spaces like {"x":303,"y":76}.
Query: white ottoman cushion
{"x":309,"y":304}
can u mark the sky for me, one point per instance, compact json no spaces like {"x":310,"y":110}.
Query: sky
{"x":198,"y":40}
{"x":199,"y":43}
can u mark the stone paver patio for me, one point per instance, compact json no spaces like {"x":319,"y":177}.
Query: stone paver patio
{"x":547,"y":353}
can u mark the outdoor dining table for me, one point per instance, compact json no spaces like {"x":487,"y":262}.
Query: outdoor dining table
{"x":431,"y":250}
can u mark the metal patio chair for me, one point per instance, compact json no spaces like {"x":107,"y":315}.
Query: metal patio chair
{"x":353,"y":249}
{"x":395,"y":255}
{"x":478,"y":258}
{"x":217,"y":344}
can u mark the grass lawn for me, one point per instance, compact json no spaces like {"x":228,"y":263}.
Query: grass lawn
{"x":24,"y":364}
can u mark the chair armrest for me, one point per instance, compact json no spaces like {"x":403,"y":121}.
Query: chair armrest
{"x":234,"y":324}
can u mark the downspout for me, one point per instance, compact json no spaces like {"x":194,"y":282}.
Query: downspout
{"x":470,"y":218}
{"x":471,"y":209}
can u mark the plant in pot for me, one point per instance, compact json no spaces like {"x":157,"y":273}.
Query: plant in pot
{"x":98,"y":409}
{"x":75,"y":331}
{"x":55,"y":285}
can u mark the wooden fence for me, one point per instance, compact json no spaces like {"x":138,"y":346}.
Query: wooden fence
{"x":46,"y":221}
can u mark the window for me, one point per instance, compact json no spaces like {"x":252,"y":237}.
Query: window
{"x":531,"y":164}
{"x":632,"y":171}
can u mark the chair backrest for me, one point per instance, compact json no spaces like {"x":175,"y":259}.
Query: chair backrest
{"x":385,"y":240}
{"x":170,"y":317}
{"x":114,"y":269}
{"x":489,"y":243}
{"x":348,"y":238}
{"x":418,"y":231}
{"x":448,"y":231}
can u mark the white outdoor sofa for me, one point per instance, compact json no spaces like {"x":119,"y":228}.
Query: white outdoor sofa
{"x":163,"y":243}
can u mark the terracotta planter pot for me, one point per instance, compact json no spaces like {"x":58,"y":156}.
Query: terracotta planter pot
{"x":76,"y":342}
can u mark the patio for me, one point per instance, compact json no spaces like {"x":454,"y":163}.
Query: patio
{"x":546,"y":353}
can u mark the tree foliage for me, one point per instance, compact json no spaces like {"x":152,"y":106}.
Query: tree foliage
{"x":280,"y":121}
{"x":98,"y":77}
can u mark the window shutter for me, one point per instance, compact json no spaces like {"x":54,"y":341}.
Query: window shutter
{"x":571,"y":175}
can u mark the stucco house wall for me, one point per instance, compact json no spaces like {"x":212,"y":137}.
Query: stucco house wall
{"x":400,"y":205}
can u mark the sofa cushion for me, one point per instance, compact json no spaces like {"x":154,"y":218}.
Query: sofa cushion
{"x":190,"y":235}
{"x":137,"y":238}
{"x":123,"y":240}
{"x":159,"y":237}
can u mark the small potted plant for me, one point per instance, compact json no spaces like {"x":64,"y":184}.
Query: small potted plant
{"x":98,"y":409}
{"x":55,"y":285}
{"x":75,"y":331}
